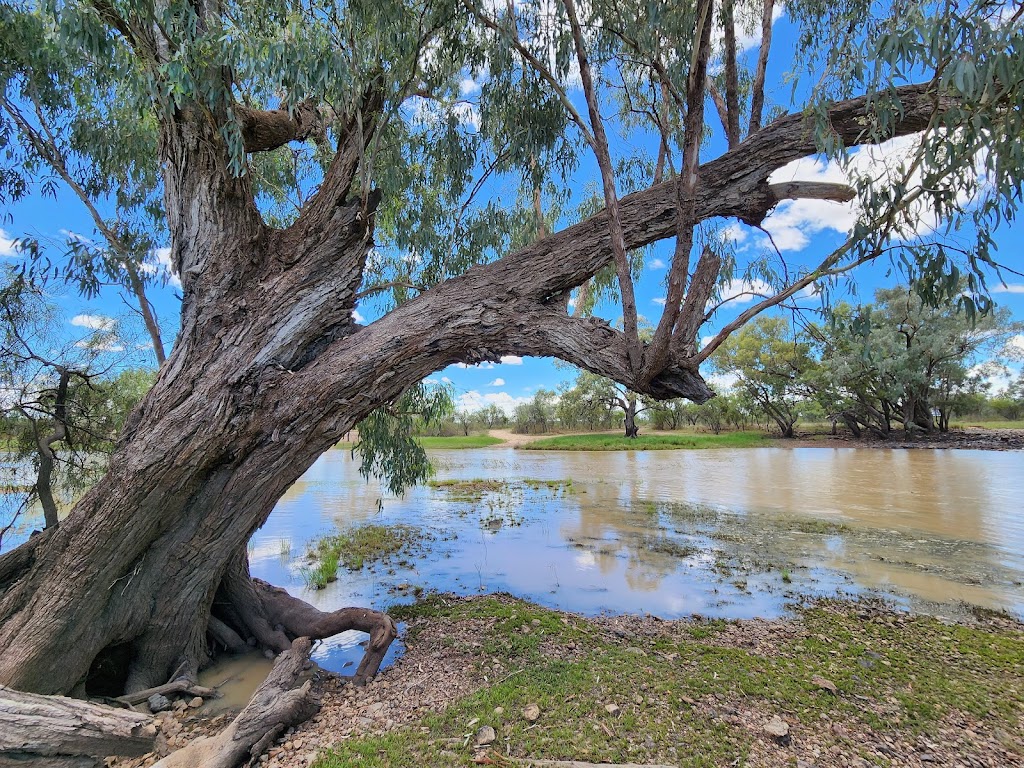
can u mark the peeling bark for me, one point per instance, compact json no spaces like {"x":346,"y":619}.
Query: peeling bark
{"x":54,"y":730}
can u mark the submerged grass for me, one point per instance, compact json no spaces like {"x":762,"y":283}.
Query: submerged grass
{"x":357,"y":547}
{"x":607,"y":442}
{"x":698,"y":693}
{"x":459,"y":441}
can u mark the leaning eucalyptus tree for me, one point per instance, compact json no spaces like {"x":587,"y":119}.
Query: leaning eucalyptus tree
{"x":314,"y":153}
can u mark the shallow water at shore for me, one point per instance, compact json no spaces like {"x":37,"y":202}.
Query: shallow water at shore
{"x":730,"y":533}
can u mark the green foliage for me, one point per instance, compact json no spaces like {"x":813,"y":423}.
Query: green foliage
{"x":357,"y":547}
{"x":772,"y":365}
{"x":63,"y":405}
{"x":537,"y":416}
{"x":900,"y":359}
{"x":387,"y":448}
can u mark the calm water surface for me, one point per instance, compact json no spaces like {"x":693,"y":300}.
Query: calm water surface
{"x":731,"y":533}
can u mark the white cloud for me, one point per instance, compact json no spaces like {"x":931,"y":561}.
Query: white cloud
{"x":1009,"y":288}
{"x":1015,"y":347}
{"x":511,"y":360}
{"x":793,"y":222}
{"x":720,"y":381}
{"x":474,"y":401}
{"x":100,"y":344}
{"x":743,"y":291}
{"x":94,"y":322}
{"x":656,"y":264}
{"x":734,"y":233}
{"x":162,"y":268}
{"x":358,"y":317}
{"x":705,"y":340}
{"x":8,"y":245}
{"x":659,"y":300}
{"x":499,"y":382}
{"x":446,"y":380}
{"x":76,"y":237}
{"x":809,"y":291}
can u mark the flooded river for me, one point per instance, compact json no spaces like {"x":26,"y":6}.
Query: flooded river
{"x":731,"y":533}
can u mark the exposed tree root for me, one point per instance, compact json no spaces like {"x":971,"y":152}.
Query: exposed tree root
{"x":57,"y":731}
{"x":273,"y":618}
{"x":283,"y":700}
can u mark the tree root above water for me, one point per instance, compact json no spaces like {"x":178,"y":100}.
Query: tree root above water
{"x":284,"y":699}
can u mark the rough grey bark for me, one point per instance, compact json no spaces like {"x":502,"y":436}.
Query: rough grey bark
{"x":54,"y":730}
{"x":269,"y":371}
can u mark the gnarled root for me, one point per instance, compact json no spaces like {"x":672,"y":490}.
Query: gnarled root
{"x":284,"y":699}
{"x":273,"y":618}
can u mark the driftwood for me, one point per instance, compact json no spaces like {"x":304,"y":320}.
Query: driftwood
{"x":284,"y":699}
{"x":58,"y":732}
{"x":182,"y":685}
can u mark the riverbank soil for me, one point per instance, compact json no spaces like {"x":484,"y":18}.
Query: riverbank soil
{"x":970,"y":438}
{"x":497,"y":681}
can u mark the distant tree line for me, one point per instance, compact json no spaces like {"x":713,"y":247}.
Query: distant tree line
{"x":893,"y":364}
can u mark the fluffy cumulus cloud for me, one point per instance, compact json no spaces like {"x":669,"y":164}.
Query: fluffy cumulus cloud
{"x":794,"y":222}
{"x":1009,"y":288}
{"x":8,"y":245}
{"x":357,"y":317}
{"x":475,"y":401}
{"x":511,"y":360}
{"x":161,"y":267}
{"x":1015,"y":347}
{"x":94,"y":322}
{"x":722,"y":381}
{"x":656,"y":264}
{"x":744,"y":291}
{"x":499,"y":382}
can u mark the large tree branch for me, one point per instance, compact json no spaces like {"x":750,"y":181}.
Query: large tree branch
{"x":266,"y":130}
{"x":509,"y":306}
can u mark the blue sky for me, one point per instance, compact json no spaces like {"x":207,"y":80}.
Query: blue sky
{"x":804,"y":231}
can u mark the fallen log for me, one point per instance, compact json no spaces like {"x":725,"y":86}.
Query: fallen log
{"x":58,"y":732}
{"x":284,"y":699}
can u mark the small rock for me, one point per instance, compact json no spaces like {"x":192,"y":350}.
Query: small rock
{"x":638,"y":699}
{"x":196,"y":703}
{"x":485,"y":736}
{"x":148,"y":731}
{"x":826,"y":685}
{"x":158,"y":703}
{"x":180,"y":705}
{"x":532,"y":712}
{"x":612,"y":709}
{"x":499,"y":710}
{"x":778,"y":729}
{"x":536,"y":622}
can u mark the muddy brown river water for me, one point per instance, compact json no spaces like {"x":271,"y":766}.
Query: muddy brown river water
{"x":730,"y":533}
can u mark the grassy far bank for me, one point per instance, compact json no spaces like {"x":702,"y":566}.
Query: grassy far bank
{"x":611,"y":442}
{"x":848,"y":678}
{"x":459,"y":441}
